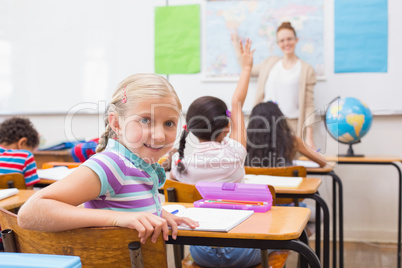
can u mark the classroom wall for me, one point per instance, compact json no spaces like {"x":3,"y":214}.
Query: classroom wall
{"x":370,"y":192}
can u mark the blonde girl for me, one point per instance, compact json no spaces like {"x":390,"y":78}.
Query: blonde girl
{"x":118,"y":185}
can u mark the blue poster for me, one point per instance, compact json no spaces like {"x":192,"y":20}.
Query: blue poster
{"x":361,"y":36}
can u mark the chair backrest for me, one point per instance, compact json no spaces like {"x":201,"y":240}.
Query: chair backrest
{"x":17,"y":180}
{"x":291,"y":171}
{"x":181,"y":192}
{"x":187,"y":193}
{"x":97,"y":247}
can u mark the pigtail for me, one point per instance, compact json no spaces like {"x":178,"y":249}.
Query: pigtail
{"x":180,"y":166}
{"x":105,"y":137}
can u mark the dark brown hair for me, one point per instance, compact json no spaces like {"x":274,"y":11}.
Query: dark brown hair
{"x":16,"y":128}
{"x":286,"y":25}
{"x":269,"y":138}
{"x":206,"y":118}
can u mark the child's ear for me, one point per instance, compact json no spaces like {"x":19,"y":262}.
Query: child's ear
{"x":22,"y":143}
{"x":114,"y":122}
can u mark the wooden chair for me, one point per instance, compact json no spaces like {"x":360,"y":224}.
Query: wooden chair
{"x":97,"y":247}
{"x":187,"y":193}
{"x":12,"y":180}
{"x":291,"y":171}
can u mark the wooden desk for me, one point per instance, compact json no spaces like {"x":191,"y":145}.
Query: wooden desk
{"x":278,"y":228}
{"x":42,"y":157}
{"x":17,"y":200}
{"x":308,"y":188}
{"x":336,"y":184}
{"x":378,"y":160}
{"x":45,"y":182}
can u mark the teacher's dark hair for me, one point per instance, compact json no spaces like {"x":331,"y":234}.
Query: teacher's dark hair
{"x":269,"y":138}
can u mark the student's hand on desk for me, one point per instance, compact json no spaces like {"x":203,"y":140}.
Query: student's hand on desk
{"x":147,"y":225}
{"x":173,"y":221}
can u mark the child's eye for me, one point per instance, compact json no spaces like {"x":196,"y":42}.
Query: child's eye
{"x":169,"y":124}
{"x":145,"y":120}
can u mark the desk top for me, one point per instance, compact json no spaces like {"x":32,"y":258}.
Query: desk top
{"x":46,"y":181}
{"x":279,"y":223}
{"x":307,"y":186}
{"x":57,"y":152}
{"x":17,"y":200}
{"x":365,"y":159}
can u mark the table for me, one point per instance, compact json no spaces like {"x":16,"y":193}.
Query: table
{"x":379,"y":160}
{"x":336,"y":183}
{"x":278,"y":228}
{"x":17,"y":200}
{"x":42,"y":157}
{"x":44,"y":182}
{"x":308,"y":188}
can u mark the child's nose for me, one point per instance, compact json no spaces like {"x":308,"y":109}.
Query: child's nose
{"x":158,"y":134}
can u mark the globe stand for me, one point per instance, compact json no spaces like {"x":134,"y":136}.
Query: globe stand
{"x":351,"y":153}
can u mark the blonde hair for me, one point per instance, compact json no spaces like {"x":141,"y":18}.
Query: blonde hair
{"x":137,"y":87}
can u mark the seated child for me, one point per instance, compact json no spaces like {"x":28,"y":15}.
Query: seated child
{"x":217,"y":158}
{"x":118,"y":185}
{"x":18,"y":139}
{"x":270,"y":142}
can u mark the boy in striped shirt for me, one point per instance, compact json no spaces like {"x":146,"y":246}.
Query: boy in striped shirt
{"x":18,"y":138}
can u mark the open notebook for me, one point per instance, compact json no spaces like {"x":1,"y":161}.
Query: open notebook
{"x":4,"y":193}
{"x":276,"y":181}
{"x":211,"y":219}
{"x":56,"y":173}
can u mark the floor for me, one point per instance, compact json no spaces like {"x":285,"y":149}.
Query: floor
{"x":356,"y":255}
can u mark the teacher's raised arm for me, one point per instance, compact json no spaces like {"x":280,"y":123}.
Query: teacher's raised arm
{"x":287,"y":81}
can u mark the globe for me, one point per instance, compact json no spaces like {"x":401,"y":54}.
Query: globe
{"x":347,"y":120}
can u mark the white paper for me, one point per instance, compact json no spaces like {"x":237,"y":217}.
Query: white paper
{"x":8,"y":192}
{"x":56,"y":173}
{"x":306,"y":163}
{"x":211,"y":219}
{"x":276,"y":181}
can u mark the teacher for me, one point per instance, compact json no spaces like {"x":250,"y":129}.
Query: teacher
{"x":289,"y":82}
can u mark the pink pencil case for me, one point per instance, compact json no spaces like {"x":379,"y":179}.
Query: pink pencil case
{"x":226,"y":195}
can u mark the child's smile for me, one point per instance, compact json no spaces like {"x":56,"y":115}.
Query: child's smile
{"x":149,"y":129}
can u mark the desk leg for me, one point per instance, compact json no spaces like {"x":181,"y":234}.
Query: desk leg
{"x":399,"y":211}
{"x":337,"y":180}
{"x":295,"y":245}
{"x":318,"y":229}
{"x":325,"y":209}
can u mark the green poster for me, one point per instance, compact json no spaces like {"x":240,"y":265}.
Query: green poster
{"x":177,"y":39}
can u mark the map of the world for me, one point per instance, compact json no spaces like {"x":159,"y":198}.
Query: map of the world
{"x":258,"y":20}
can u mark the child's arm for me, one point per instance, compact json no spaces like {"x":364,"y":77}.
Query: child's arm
{"x":54,"y":208}
{"x":309,"y":153}
{"x":238,"y":127}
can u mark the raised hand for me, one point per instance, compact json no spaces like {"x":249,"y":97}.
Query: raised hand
{"x":246,"y":54}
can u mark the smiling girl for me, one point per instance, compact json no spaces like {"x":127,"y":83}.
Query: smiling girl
{"x":118,"y":185}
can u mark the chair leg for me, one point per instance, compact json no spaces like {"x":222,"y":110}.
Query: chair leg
{"x":178,"y":255}
{"x":8,"y":240}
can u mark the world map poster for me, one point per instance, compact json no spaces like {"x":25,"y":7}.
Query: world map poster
{"x":259,"y":20}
